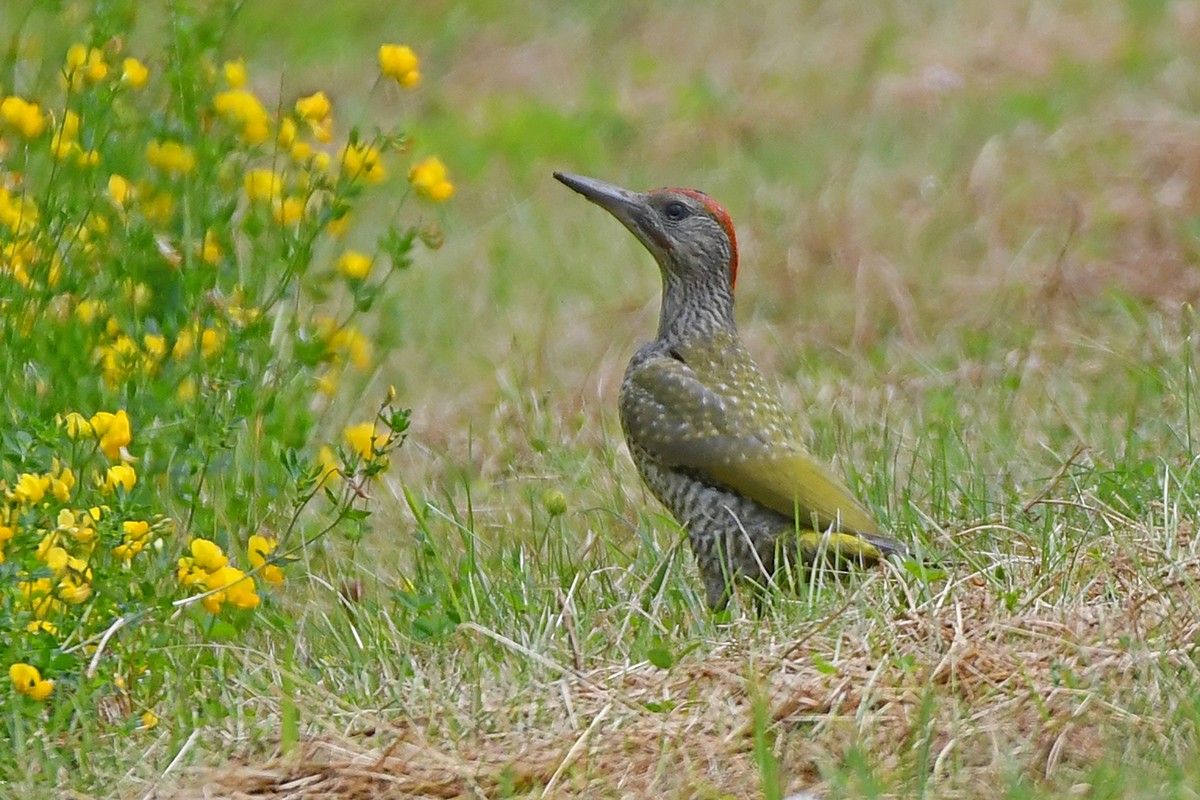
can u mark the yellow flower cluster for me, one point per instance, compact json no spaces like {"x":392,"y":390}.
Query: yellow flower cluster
{"x":354,"y":265}
{"x":243,"y":108}
{"x":366,"y":439}
{"x":44,"y":508}
{"x":259,"y":552}
{"x":134,"y":73}
{"x":362,"y":162}
{"x":343,"y":344}
{"x":157,"y":289}
{"x":173,"y":158}
{"x":317,"y":111}
{"x":28,"y":681}
{"x":121,"y":358}
{"x":65,"y":143}
{"x":400,"y":63}
{"x":112,"y":431}
{"x":23,"y":116}
{"x":428,"y":177}
{"x":84,"y":65}
{"x":208,"y":570}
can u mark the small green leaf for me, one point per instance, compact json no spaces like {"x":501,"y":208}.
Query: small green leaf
{"x":823,"y":666}
{"x":923,"y":573}
{"x":660,"y":657}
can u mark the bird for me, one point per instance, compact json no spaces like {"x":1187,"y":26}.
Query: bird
{"x":706,"y":431}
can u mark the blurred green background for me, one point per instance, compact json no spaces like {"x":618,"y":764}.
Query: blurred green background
{"x":929,"y":196}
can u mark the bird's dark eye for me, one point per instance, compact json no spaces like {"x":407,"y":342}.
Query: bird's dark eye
{"x":675,"y":211}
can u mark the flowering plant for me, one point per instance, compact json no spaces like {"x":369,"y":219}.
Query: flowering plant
{"x":178,"y":312}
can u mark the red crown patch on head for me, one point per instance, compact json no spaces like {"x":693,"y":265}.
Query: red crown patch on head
{"x":722,"y":218}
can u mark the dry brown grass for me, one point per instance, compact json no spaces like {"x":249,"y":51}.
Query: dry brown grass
{"x":979,"y":691}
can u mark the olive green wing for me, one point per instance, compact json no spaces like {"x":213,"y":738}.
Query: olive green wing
{"x":671,"y":413}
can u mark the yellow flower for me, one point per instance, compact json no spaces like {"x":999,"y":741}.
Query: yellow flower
{"x":184,"y":344}
{"x":363,"y":439}
{"x":55,"y":558}
{"x":74,"y":590}
{"x":210,"y":251}
{"x":303,"y":151}
{"x":211,"y":341}
{"x":155,"y":345}
{"x":23,"y":116}
{"x":314,"y":108}
{"x":286,"y":138}
{"x":6,"y":533}
{"x":85,"y":63}
{"x":171,"y":157}
{"x":189,"y":574}
{"x":126,"y":550}
{"x":187,"y":389}
{"x":149,"y":721}
{"x":330,"y":469}
{"x":327,"y":383}
{"x":77,"y":55}
{"x":428,"y":177}
{"x":79,"y":527}
{"x":157,"y":207}
{"x":113,"y":430}
{"x":339,"y":226}
{"x":70,"y":125}
{"x":28,"y":681}
{"x":63,"y":143}
{"x":208,"y":555}
{"x":134,"y":73}
{"x":354,"y":264}
{"x":263,"y":184}
{"x":120,"y":190}
{"x":399,"y":62}
{"x":235,"y":73}
{"x":238,"y":589}
{"x":260,"y":548}
{"x":212,"y":603}
{"x":31,"y":488}
{"x":77,"y":425}
{"x":241,"y":316}
{"x":37,"y":592}
{"x":243,"y":107}
{"x":351,"y":341}
{"x":137,"y":536}
{"x":119,"y":475}
{"x":61,"y":488}
{"x":41,"y":625}
{"x":89,"y":309}
{"x":362,"y":161}
{"x":289,"y":211}
{"x":118,"y":359}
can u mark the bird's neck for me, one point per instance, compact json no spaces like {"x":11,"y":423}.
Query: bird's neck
{"x":693,"y":308}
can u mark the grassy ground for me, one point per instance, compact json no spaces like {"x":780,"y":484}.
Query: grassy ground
{"x":969,"y":244}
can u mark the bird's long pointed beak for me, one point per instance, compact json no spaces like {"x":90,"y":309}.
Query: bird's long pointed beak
{"x":629,"y":207}
{"x":609,"y":197}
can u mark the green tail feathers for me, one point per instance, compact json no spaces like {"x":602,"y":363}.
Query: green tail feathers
{"x":865,"y":547}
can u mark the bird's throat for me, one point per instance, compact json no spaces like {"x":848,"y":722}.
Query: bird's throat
{"x":692,"y":309}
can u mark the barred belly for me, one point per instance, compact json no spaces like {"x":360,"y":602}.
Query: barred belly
{"x":731,"y":535}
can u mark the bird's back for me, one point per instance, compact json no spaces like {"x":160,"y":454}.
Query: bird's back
{"x":702,"y":410}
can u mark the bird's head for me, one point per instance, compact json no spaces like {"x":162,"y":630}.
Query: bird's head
{"x":688,"y":233}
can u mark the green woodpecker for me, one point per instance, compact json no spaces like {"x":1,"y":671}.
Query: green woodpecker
{"x":705,"y":429}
